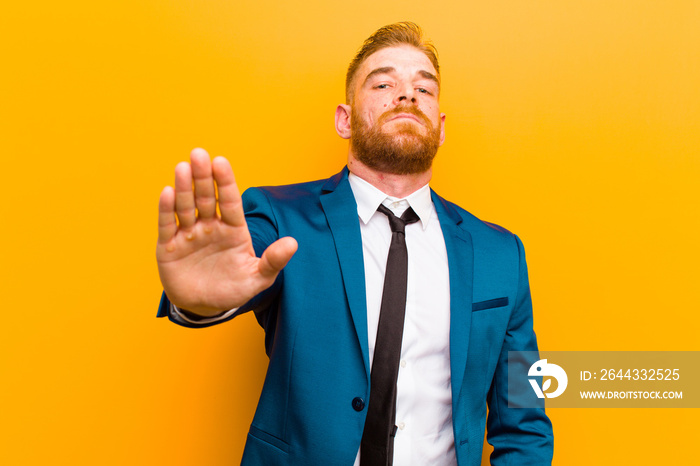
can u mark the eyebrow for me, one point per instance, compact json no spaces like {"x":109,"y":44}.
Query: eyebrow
{"x":389,"y":69}
{"x":382,"y":70}
{"x":430,"y":76}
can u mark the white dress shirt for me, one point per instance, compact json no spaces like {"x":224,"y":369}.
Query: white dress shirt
{"x":424,"y":397}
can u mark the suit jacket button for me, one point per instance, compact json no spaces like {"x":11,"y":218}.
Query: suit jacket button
{"x":358,"y":404}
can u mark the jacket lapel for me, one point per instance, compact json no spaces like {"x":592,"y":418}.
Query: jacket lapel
{"x":460,"y":258}
{"x":340,"y":208}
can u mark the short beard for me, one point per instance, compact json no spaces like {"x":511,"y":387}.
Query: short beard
{"x":405,"y":152}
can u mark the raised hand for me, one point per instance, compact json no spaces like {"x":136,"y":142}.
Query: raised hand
{"x":206,"y":259}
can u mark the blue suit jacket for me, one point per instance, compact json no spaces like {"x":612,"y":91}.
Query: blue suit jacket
{"x":315,"y":320}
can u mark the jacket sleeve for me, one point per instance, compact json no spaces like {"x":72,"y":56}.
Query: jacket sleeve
{"x":263,"y":231}
{"x":520,"y":436}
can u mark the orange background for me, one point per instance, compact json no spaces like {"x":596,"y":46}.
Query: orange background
{"x":575,"y":124}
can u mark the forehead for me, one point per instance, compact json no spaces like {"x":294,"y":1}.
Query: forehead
{"x":404,"y":58}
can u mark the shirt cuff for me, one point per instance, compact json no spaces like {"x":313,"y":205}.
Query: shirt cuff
{"x":180,"y":316}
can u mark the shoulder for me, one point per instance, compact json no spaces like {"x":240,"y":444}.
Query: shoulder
{"x":470,"y":222}
{"x":290,"y":193}
{"x":294,"y":194}
{"x":290,"y":209}
{"x":498,"y":254}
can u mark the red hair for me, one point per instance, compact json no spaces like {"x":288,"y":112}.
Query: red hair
{"x":403,"y":33}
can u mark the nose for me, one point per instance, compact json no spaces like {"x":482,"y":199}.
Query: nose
{"x":405,"y":93}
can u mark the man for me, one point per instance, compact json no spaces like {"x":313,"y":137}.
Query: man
{"x":458,"y":285}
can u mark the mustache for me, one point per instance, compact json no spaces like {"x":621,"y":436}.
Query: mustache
{"x":405,"y":109}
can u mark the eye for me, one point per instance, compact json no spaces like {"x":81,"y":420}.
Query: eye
{"x":382,"y":86}
{"x":423,"y":90}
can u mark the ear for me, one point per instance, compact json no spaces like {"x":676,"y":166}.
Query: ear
{"x":442,"y":128}
{"x":342,"y":121}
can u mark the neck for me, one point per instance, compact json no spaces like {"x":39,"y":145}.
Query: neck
{"x":389,"y":183}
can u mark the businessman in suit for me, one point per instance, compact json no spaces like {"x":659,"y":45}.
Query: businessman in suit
{"x":325,"y":266}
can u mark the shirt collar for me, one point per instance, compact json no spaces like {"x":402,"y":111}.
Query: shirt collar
{"x":369,"y":197}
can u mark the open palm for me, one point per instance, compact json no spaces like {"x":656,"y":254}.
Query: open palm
{"x":206,"y":259}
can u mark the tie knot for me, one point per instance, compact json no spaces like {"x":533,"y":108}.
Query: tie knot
{"x":398,"y":224}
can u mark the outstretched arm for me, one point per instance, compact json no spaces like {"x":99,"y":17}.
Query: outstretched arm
{"x":205,"y":255}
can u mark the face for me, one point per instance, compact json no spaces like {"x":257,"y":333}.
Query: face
{"x":395,"y":120}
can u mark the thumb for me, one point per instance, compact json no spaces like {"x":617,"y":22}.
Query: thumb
{"x":276,"y":256}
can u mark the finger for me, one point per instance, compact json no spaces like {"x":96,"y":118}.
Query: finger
{"x":276,"y":256}
{"x":204,"y":192}
{"x":230,"y":202}
{"x":167,"y":225}
{"x":184,"y":197}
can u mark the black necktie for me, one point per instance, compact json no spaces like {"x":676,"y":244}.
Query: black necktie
{"x":377,"y":448}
